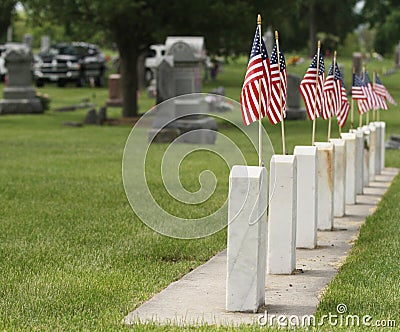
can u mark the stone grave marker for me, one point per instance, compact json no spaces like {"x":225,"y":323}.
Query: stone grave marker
{"x":357,"y":62}
{"x":19,"y":95}
{"x":179,"y":74}
{"x":28,"y":40}
{"x":44,"y":43}
{"x":114,"y":91}
{"x":295,"y":110}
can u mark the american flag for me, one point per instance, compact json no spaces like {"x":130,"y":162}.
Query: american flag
{"x":343,"y":112}
{"x":278,"y":86}
{"x":258,"y":72}
{"x":371,"y":95}
{"x":381,"y":90}
{"x":359,"y":93}
{"x":357,"y":88}
{"x":332,"y":93}
{"x":310,"y":88}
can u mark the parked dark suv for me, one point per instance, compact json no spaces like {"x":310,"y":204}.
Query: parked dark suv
{"x":73,"y":62}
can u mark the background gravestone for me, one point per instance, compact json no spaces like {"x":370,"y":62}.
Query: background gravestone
{"x":19,"y":95}
{"x":269,"y":40}
{"x":180,"y":73}
{"x":28,"y":40}
{"x":44,"y":43}
{"x":397,"y":56}
{"x":357,"y":62}
{"x":294,"y":108}
{"x":114,"y":91}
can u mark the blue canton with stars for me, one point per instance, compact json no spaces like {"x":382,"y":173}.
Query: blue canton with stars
{"x":274,"y":58}
{"x":255,"y":49}
{"x":321,"y":64}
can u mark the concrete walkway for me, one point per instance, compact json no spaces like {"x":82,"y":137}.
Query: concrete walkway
{"x":199,"y":297}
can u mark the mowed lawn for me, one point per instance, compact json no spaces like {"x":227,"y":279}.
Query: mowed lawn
{"x":73,"y":256}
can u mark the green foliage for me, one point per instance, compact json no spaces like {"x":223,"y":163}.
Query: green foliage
{"x":349,"y":46}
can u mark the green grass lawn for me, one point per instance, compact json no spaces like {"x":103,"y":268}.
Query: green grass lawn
{"x":73,"y":256}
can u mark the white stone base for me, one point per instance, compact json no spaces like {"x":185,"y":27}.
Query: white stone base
{"x":359,"y":160}
{"x":282,"y":215}
{"x":247,"y":227}
{"x":378,"y":147}
{"x":367,"y":133}
{"x":350,"y":139}
{"x":307,"y":198}
{"x":372,"y":151}
{"x":325,"y":152}
{"x":382,"y":126}
{"x":339,"y":190}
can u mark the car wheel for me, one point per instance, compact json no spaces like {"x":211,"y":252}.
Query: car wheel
{"x":81,"y":81}
{"x":39,"y":83}
{"x":99,"y":81}
{"x":61,"y":83}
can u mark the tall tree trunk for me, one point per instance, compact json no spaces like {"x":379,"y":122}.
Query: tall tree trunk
{"x":312,"y":28}
{"x":129,"y":54}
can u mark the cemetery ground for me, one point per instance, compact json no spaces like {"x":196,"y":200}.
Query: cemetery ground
{"x":74,"y":257}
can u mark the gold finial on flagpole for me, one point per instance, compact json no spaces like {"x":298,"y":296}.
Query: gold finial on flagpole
{"x":276,"y":35}
{"x":259,"y":19}
{"x":319,"y":44}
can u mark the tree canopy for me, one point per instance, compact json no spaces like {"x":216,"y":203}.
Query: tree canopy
{"x":227,"y":25}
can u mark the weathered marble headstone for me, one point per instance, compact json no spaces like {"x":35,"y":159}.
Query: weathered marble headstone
{"x":326,"y":184}
{"x":350,"y":167}
{"x":307,"y":198}
{"x":359,"y":159}
{"x":282,"y":218}
{"x":378,"y":147}
{"x":339,"y":190}
{"x":367,"y":134}
{"x":247,"y":236}
{"x":372,"y":150}
{"x":114,"y":90}
{"x":19,"y":95}
{"x":294,"y":108}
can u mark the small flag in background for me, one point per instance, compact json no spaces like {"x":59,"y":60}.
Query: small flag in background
{"x":358,"y":92}
{"x":310,"y":88}
{"x":371,"y":95}
{"x":278,"y":85}
{"x":343,"y":112}
{"x":381,"y":90}
{"x":258,"y":72}
{"x":332,"y":93}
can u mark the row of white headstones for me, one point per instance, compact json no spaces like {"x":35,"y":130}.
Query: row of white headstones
{"x":306,"y":191}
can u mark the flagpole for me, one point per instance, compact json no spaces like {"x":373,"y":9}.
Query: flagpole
{"x":330,"y":104}
{"x":373,"y":86}
{"x":352,"y":113}
{"x":352,"y":107}
{"x":316,"y":93}
{"x":280,"y":91}
{"x":367,"y":115}
{"x":363,"y":80}
{"x":260,"y":162}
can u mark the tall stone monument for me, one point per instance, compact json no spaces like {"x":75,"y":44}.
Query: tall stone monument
{"x":180,"y":74}
{"x":19,"y":96}
{"x":295,"y":110}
